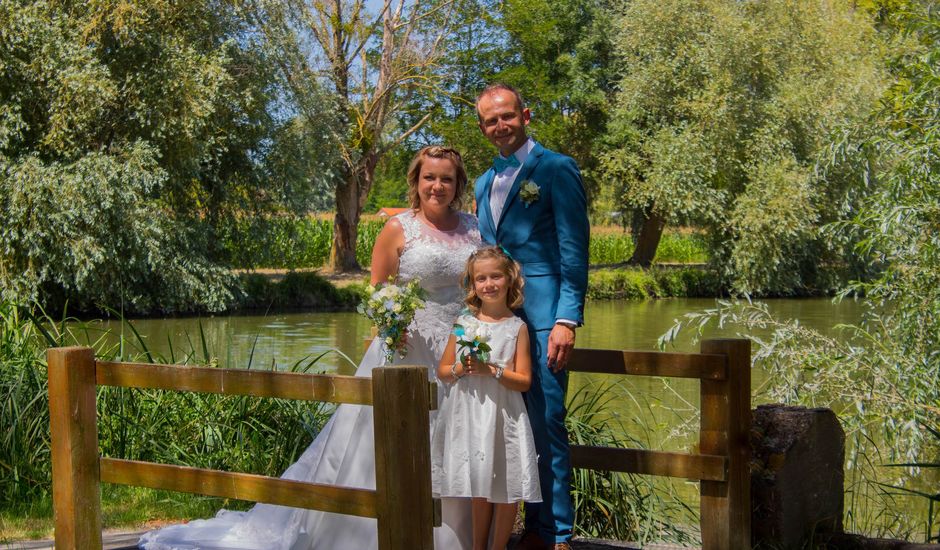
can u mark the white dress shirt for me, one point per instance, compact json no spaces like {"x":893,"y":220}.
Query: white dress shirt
{"x":502,"y":182}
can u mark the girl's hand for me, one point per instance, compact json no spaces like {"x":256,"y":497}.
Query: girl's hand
{"x":473,"y":365}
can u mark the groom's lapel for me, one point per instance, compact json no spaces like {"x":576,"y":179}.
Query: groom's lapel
{"x":485,"y":210}
{"x":535,"y":156}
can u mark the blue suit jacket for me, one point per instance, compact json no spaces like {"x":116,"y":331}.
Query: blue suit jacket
{"x":549,"y":236}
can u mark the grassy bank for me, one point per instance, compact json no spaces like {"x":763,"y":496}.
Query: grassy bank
{"x":641,"y":284}
{"x":293,"y":244}
{"x":295,"y":290}
{"x":305,"y":290}
{"x":122,"y":508}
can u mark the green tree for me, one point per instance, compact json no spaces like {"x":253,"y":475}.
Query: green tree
{"x":557,"y":55}
{"x":130,"y":131}
{"x":364,"y":68}
{"x":564,"y":69}
{"x":476,"y":50}
{"x":883,"y":379}
{"x":723,"y":111}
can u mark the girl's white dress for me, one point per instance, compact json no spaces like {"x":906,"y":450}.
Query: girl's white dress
{"x":343,"y":452}
{"x":482,"y":444}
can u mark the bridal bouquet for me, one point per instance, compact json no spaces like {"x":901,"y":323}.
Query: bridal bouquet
{"x":472,"y":339}
{"x":391,"y":307}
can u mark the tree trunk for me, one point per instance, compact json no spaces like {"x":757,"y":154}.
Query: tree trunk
{"x":346,"y":226}
{"x":647,"y":241}
{"x":351,"y":197}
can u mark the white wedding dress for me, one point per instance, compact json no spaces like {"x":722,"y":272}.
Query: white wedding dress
{"x":343,"y":452}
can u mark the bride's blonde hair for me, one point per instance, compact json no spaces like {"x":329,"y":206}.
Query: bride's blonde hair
{"x":436,"y":152}
{"x":512,"y":269}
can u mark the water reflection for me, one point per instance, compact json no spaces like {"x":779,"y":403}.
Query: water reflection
{"x":285,"y":339}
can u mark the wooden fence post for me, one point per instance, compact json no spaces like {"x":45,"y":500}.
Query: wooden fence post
{"x":74,"y":429}
{"x":401,"y":396}
{"x":725,"y":430}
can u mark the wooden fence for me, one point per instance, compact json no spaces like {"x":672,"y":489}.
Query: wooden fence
{"x":722,"y":463}
{"x":402,"y":500}
{"x":401,"y":395}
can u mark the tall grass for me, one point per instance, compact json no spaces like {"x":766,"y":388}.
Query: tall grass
{"x":205,"y":430}
{"x":289,"y":242}
{"x":614,"y":247}
{"x":615,"y":505}
{"x":24,"y":409}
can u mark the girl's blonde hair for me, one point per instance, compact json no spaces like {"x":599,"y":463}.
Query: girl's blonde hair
{"x":436,"y":152}
{"x":507,"y":265}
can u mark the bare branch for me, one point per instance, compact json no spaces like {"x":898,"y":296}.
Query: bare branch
{"x":405,"y":135}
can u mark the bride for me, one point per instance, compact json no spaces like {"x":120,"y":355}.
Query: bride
{"x":430,"y":242}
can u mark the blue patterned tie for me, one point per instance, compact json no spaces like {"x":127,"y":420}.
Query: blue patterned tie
{"x":500,"y":163}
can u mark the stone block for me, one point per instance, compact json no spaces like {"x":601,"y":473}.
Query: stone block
{"x":796,"y":475}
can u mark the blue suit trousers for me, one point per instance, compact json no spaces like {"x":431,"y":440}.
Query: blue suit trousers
{"x":553,"y":518}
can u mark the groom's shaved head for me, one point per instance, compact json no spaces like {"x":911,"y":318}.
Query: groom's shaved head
{"x":500,"y":87}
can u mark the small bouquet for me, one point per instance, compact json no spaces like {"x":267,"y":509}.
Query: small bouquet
{"x":391,"y":307}
{"x":472,"y":339}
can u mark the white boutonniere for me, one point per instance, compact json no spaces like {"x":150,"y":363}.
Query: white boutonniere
{"x":529,"y":192}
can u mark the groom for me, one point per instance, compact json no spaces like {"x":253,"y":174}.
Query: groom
{"x":532,"y":202}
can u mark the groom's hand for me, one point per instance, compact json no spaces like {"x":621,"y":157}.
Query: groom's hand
{"x":560,"y":344}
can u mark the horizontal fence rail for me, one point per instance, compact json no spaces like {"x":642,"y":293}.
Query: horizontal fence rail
{"x":255,"y":488}
{"x":285,"y":385}
{"x":649,"y":363}
{"x":657,"y":463}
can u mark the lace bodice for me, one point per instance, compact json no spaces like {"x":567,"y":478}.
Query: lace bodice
{"x":437,"y":259}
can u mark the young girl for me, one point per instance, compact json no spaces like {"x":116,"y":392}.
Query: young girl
{"x":482,"y":445}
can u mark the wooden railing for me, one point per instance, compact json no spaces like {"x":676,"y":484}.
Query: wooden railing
{"x":401,"y":396}
{"x":722,"y":463}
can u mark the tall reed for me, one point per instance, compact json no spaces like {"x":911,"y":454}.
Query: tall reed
{"x":615,"y":505}
{"x":205,"y":430}
{"x":24,"y":409}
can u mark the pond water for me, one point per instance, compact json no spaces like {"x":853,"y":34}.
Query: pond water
{"x":285,"y":339}
{"x":656,"y":413}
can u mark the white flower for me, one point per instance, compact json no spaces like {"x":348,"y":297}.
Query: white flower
{"x":529,"y":192}
{"x":471,"y":326}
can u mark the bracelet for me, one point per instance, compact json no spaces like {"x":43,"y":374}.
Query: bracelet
{"x":499,"y":371}
{"x":453,"y":371}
